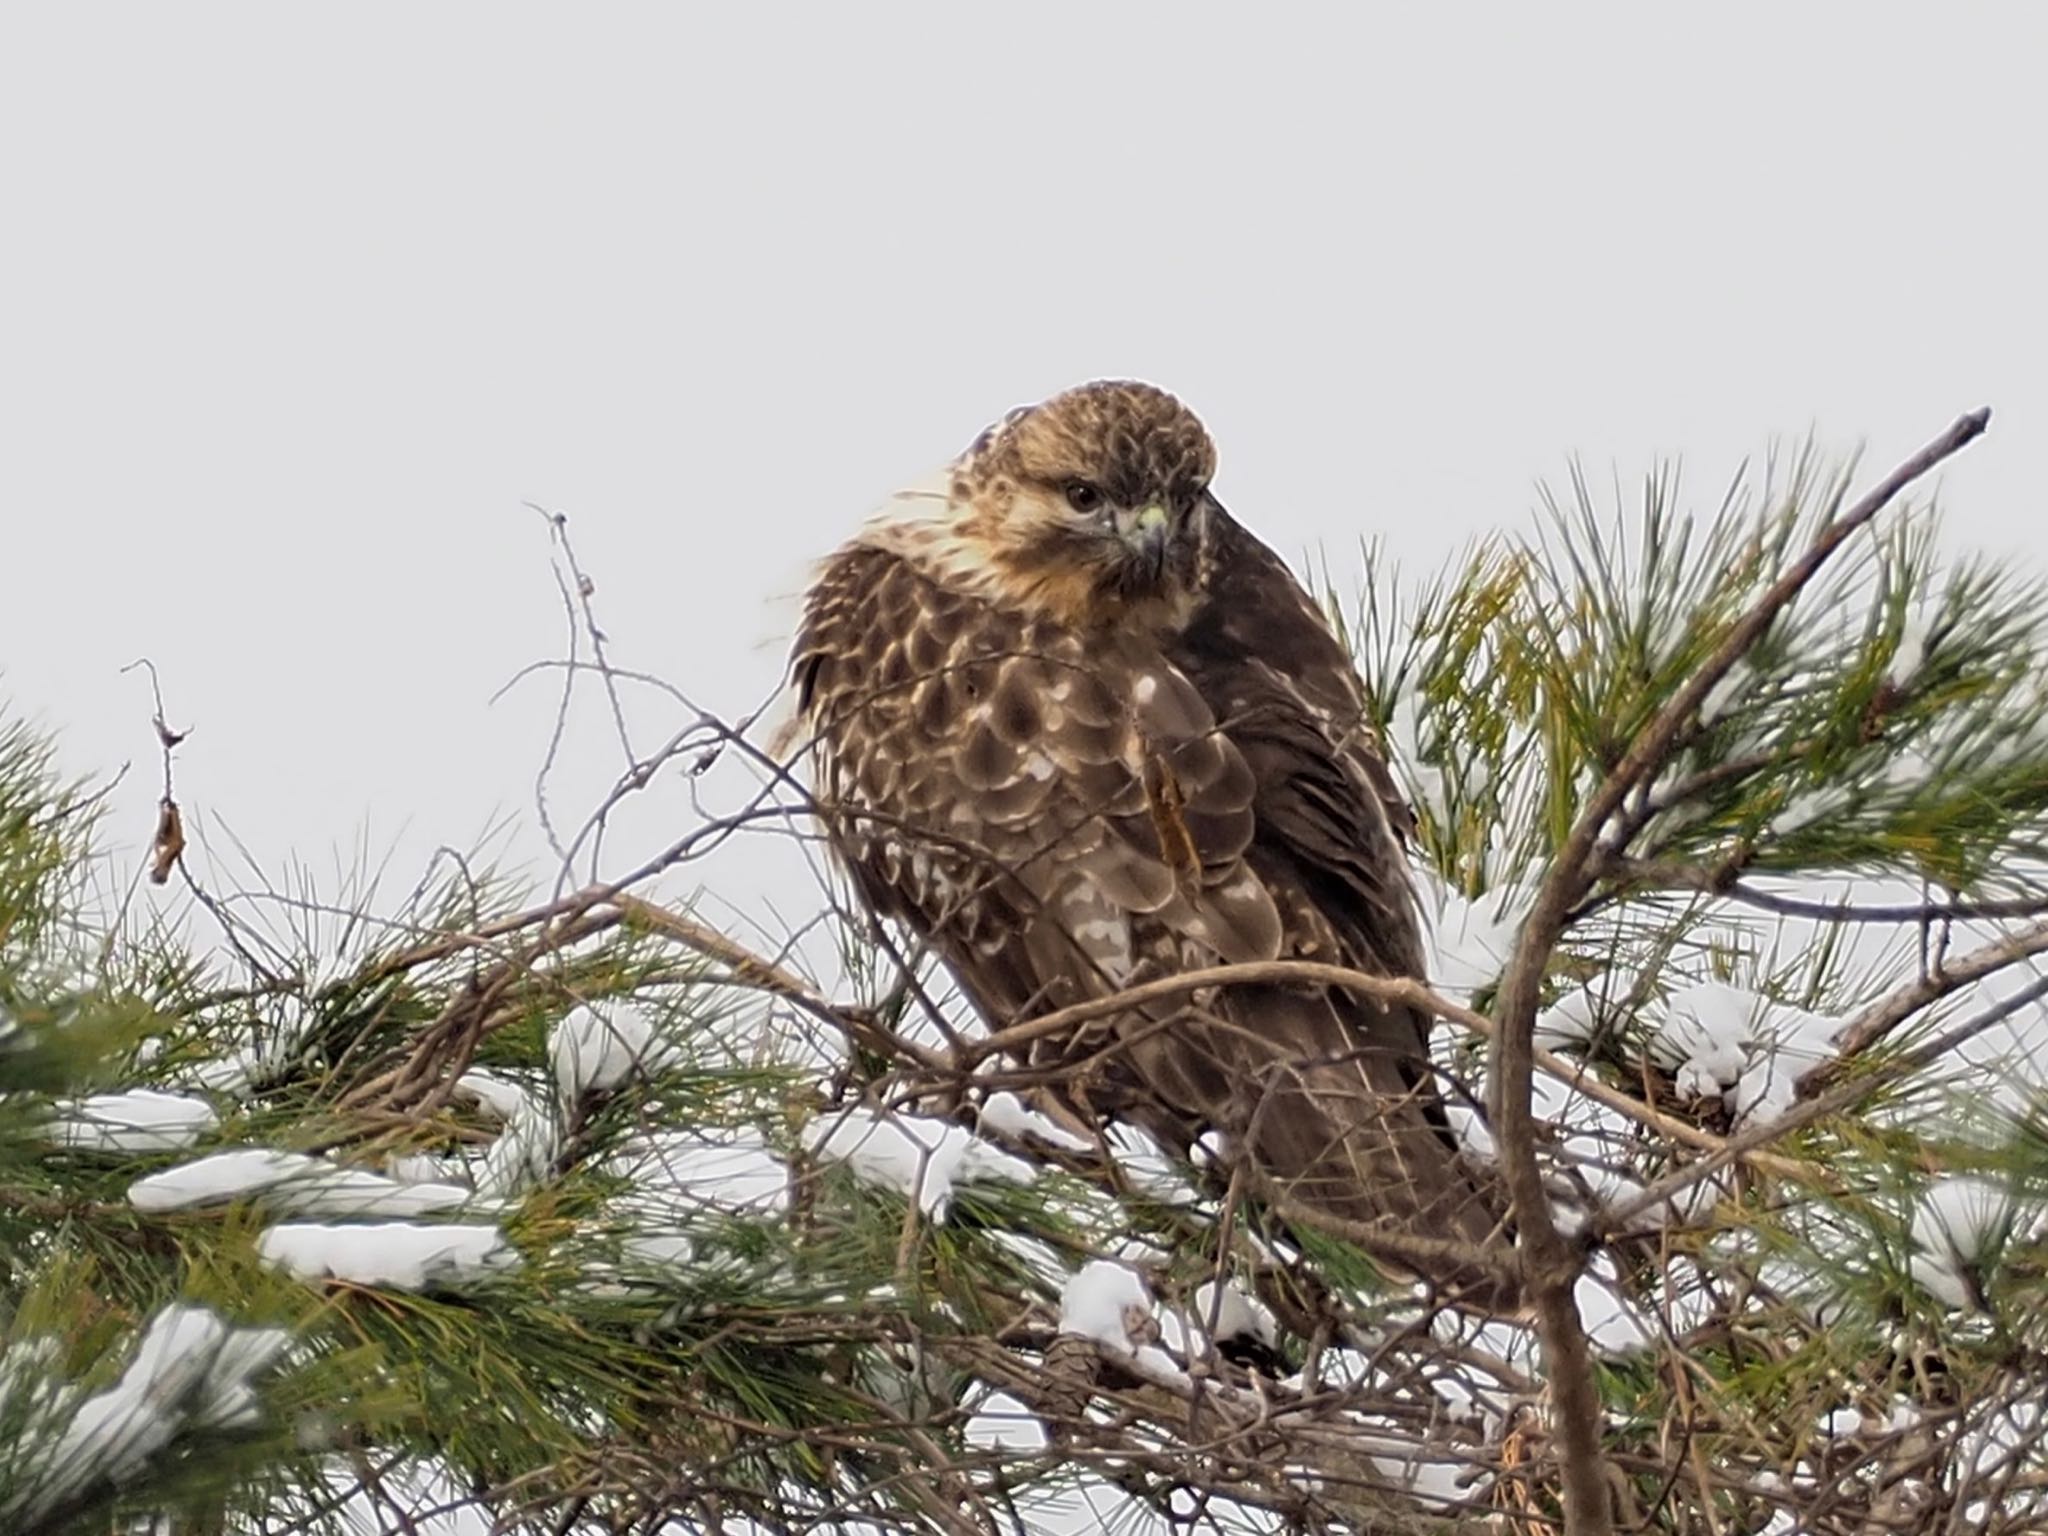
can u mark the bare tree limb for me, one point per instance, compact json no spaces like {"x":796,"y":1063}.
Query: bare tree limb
{"x":1710,"y":881}
{"x":1877,"y":1021}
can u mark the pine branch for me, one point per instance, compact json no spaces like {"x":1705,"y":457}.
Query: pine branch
{"x":1551,"y":1264}
{"x":1850,"y":1332}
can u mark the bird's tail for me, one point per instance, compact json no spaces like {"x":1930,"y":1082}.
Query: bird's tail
{"x":1337,"y":1127}
{"x":1380,"y":1169}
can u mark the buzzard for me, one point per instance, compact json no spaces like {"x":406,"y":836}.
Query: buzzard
{"x":1078,"y":729}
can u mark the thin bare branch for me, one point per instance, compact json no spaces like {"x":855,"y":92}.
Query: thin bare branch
{"x":1876,"y":1022}
{"x":1723,"y":882}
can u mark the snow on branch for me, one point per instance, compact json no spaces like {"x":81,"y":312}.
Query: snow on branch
{"x":292,"y":1182}
{"x":398,"y":1255}
{"x":190,"y":1373}
{"x":919,"y":1158}
{"x":138,"y":1120}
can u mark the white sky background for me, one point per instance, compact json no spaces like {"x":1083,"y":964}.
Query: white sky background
{"x":301,"y":305}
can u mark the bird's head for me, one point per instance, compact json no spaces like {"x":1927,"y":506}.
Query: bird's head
{"x":1093,"y":504}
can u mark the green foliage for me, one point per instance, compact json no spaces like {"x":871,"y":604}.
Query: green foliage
{"x":1887,"y":724}
{"x":815,"y":1349}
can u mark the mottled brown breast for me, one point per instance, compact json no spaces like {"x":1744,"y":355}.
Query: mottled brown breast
{"x":1058,"y":812}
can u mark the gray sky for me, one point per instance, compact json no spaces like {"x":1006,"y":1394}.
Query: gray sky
{"x":303,"y":304}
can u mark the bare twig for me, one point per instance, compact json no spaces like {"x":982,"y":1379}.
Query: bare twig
{"x":168,"y":845}
{"x":1710,"y":881}
{"x":1882,"y":1017}
{"x":749,"y":969}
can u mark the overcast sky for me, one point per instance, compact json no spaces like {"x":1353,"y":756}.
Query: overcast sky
{"x":302,"y":305}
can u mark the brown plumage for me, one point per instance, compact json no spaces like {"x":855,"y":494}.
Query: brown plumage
{"x":1077,"y":727}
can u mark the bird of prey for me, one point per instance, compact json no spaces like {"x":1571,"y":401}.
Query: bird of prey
{"x":1079,"y":729}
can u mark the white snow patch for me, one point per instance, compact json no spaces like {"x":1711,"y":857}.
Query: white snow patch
{"x":1109,"y":1303}
{"x":1964,"y":1214}
{"x":1581,"y":1015}
{"x":1004,"y":1422}
{"x":269,"y":1053}
{"x":920,"y":1157}
{"x":396,"y":1254}
{"x":593,"y":1053}
{"x":1572,"y":1020}
{"x":495,"y":1095}
{"x":141,"y":1120}
{"x":1958,"y":1223}
{"x":1703,"y":1035}
{"x":288,"y":1181}
{"x":190,"y":1371}
{"x":524,"y":1153}
{"x":1417,"y":758}
{"x":1791,"y":1043}
{"x":1005,"y":1114}
{"x":1151,"y":1363}
{"x":1842,"y":1423}
{"x":1722,"y":1041}
{"x":1471,"y":940}
{"x":1237,"y":1315}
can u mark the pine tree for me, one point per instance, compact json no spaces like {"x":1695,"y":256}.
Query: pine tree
{"x":571,"y":1211}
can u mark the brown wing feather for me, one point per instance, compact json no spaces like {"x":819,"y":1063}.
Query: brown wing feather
{"x":1368,"y":1139}
{"x":1063,"y":816}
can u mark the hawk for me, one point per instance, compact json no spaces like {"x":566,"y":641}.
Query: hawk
{"x":1077,"y":728}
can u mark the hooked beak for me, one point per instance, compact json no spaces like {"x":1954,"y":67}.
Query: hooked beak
{"x":1145,"y":533}
{"x":1145,"y":530}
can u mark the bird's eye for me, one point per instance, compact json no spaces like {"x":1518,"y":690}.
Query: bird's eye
{"x":1082,"y":496}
